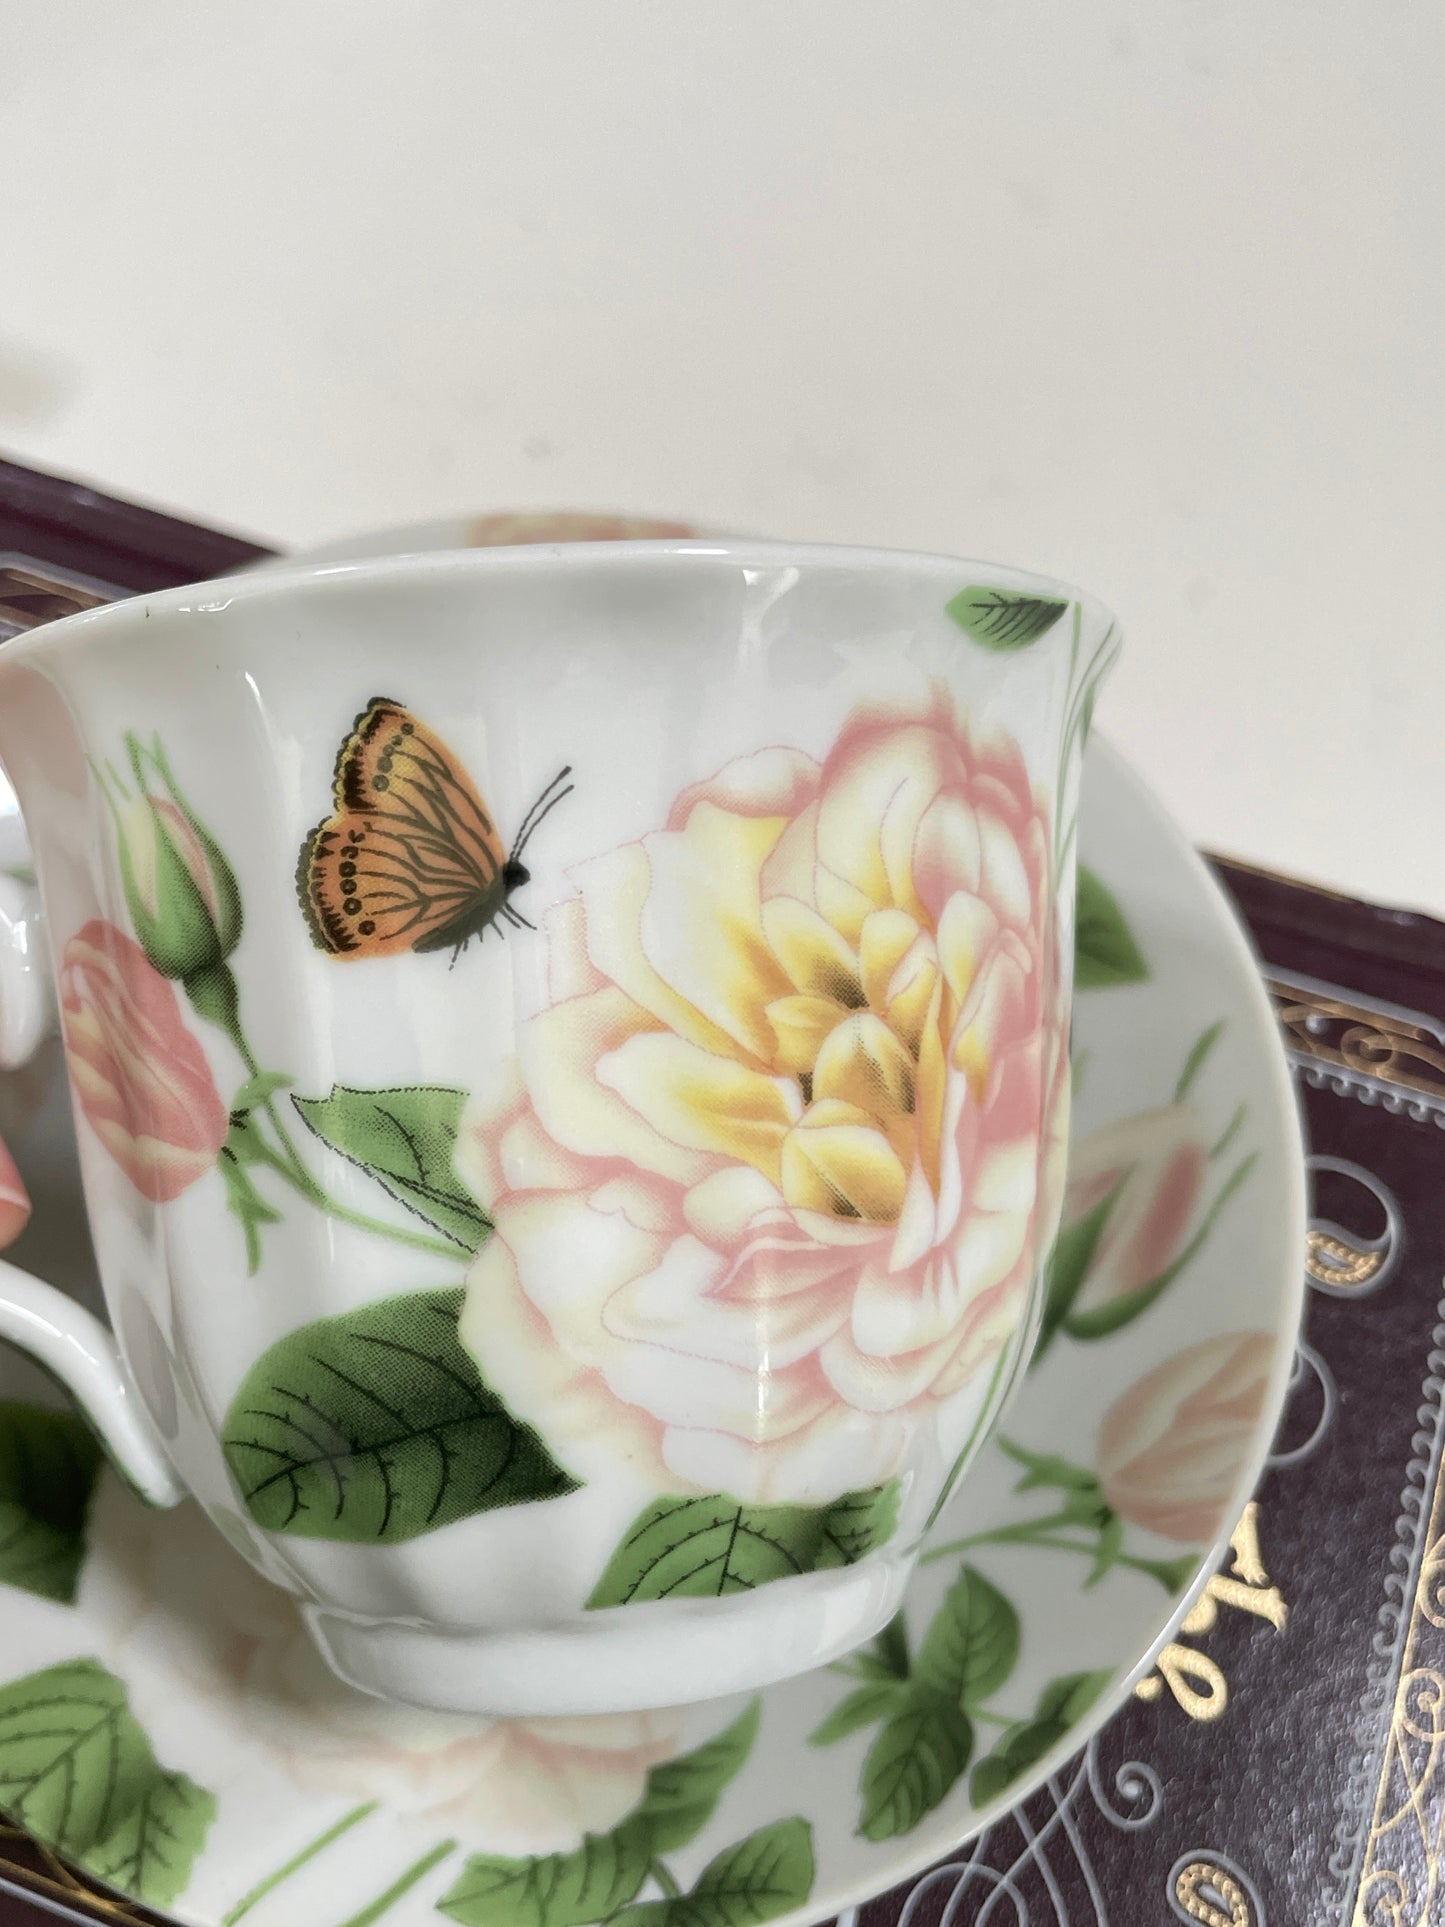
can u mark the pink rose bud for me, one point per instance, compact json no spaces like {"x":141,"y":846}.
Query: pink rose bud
{"x":140,"y":1077}
{"x":180,"y":889}
{"x":1172,"y":1448}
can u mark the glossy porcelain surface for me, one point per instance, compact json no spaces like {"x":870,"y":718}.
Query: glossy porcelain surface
{"x":569,"y":1048}
{"x":258,"y":1788}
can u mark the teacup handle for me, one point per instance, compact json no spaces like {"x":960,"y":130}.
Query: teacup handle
{"x":73,"y":1345}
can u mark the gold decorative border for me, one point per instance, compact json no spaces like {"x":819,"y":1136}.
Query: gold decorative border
{"x":1402,"y":1875}
{"x":1369,"y":1048}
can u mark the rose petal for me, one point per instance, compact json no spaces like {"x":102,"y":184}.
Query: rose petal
{"x":545,"y":1383}
{"x":886,"y":939}
{"x":816,"y":958}
{"x":563,"y":1048}
{"x":570,"y":971}
{"x":772,"y":782}
{"x":837,"y":1160}
{"x":676,"y":923}
{"x":705,"y":1103}
{"x":800,"y":1025}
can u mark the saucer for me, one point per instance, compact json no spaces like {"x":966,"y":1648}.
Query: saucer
{"x":165,"y":1724}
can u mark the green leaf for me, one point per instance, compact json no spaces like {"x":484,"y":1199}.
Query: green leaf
{"x":1061,"y":1703}
{"x":1004,"y":620}
{"x":77,"y":1772}
{"x":768,"y":1874}
{"x":913,"y":1764}
{"x":73,"y":1761}
{"x":406,"y":1139}
{"x":706,"y":1548}
{"x":375,"y":1426}
{"x":1105,"y":952}
{"x":858,"y":1524}
{"x":892,"y":1647}
{"x":972,"y":1643}
{"x":1020,"y":1747}
{"x":556,"y":1889}
{"x":864,"y":1706}
{"x":1068,"y":1698}
{"x":1047,"y":1469}
{"x":151,"y":1853}
{"x":48,"y":1466}
{"x":1068,"y":1266}
{"x":682,"y":1794}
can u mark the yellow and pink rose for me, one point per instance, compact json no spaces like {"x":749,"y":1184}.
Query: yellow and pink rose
{"x":786,"y":1145}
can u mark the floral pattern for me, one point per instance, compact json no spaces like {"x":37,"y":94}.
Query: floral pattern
{"x":139,"y":1075}
{"x":1171,"y":1447}
{"x":949,"y":1710}
{"x":1156,"y":1161}
{"x":784,"y":1118}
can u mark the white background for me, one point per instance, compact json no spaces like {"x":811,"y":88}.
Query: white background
{"x":1148,"y":295}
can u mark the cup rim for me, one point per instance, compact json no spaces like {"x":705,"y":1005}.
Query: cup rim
{"x":303,"y":580}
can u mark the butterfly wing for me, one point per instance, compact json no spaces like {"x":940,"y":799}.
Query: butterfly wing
{"x":410,"y":858}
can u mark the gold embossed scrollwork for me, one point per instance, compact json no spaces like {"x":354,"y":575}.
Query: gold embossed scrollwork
{"x":1373,"y":1043}
{"x":1401,"y":1876}
{"x":1421,"y":1710}
{"x":1195,"y":1678}
{"x":1212,"y":1896}
{"x":1339,"y":1261}
{"x":1430,"y":1592}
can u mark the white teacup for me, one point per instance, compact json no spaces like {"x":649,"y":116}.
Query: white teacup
{"x":570,"y":1058}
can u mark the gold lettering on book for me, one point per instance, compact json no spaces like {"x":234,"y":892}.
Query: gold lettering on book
{"x":1196,"y":1679}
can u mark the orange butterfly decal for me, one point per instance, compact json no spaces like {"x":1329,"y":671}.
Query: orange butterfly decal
{"x":410,"y":858}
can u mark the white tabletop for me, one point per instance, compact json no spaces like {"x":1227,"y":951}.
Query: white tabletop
{"x":1151,"y":297}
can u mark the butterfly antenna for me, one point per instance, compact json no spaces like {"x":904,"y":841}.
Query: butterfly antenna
{"x":543,"y":807}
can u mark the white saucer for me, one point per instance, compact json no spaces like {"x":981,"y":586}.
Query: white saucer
{"x":294,"y":1801}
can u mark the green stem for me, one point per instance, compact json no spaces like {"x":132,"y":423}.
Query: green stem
{"x":1038,"y":1532}
{"x":1226,"y":1137}
{"x":214,"y":994}
{"x":417,"y":1240}
{"x":1194,"y":1062}
{"x":400,"y":1886}
{"x":1073,"y":724}
{"x":1063,"y":856}
{"x":664,"y":1880}
{"x":1023,"y":1534}
{"x":994,"y":1719}
{"x":298,"y":1861}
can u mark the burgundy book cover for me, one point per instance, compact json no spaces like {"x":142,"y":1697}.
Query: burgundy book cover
{"x":1285,"y":1761}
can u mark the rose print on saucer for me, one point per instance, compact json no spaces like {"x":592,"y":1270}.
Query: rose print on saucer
{"x":1166,"y":1460}
{"x":1169,"y":1448}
